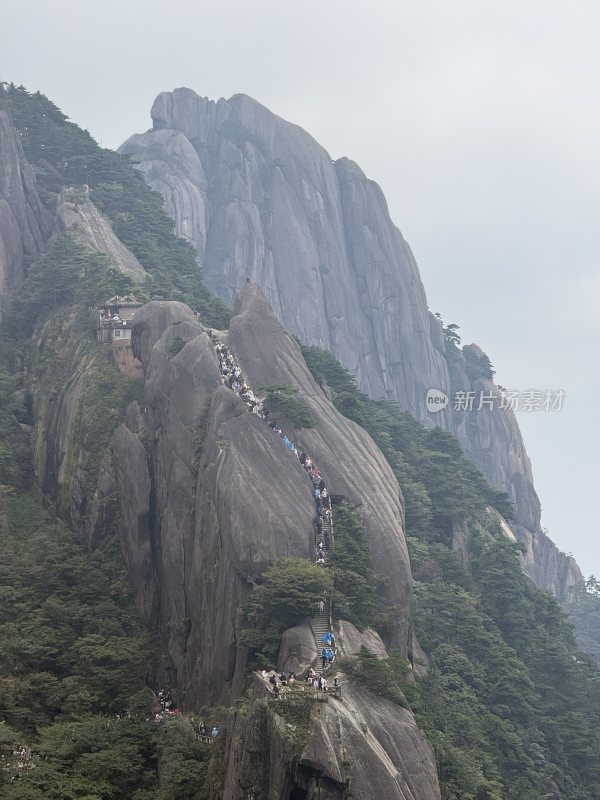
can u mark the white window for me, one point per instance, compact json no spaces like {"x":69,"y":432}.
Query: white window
{"x":117,"y":334}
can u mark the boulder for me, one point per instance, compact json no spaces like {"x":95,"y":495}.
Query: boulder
{"x":298,"y":650}
{"x":349,"y":640}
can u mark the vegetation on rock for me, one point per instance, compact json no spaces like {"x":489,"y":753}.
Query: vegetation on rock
{"x":509,"y":704}
{"x":63,"y":154}
{"x":439,"y":485}
{"x":354,"y":580}
{"x":283,"y":598}
{"x":282,"y":403}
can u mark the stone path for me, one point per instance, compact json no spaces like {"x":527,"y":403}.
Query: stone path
{"x":232,"y":377}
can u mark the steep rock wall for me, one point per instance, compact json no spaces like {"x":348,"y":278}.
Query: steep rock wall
{"x":491,"y":438}
{"x":359,"y":745}
{"x":24,"y":223}
{"x":260,"y":199}
{"x":352,"y":464}
{"x":204,"y":496}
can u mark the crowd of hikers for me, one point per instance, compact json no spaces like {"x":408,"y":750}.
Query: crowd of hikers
{"x":233,"y":378}
{"x":168,"y":707}
{"x":22,"y":759}
{"x":205,"y":733}
{"x":168,"y":710}
{"x":280,"y":680}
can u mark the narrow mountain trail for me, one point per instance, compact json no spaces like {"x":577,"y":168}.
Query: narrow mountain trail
{"x":321,"y":620}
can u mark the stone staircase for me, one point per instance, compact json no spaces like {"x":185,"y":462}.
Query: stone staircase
{"x":321,"y":620}
{"x":326,"y":537}
{"x":320,"y":623}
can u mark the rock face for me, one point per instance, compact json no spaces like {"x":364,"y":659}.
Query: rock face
{"x":58,"y":385}
{"x":24,"y":223}
{"x":259,"y":198}
{"x":359,"y":745}
{"x":204,"y":496}
{"x":348,"y":458}
{"x":76,"y":212}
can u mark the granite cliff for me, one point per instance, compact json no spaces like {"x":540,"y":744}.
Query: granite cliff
{"x":204,"y":497}
{"x":24,"y":223}
{"x":180,"y":479}
{"x":259,"y":198}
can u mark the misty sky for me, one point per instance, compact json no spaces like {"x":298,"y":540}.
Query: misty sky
{"x":480,"y":120}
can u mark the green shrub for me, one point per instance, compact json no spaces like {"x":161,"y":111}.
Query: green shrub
{"x":355,"y":582}
{"x":382,"y":676}
{"x":285,"y":595}
{"x":283,"y":404}
{"x":176,"y":346}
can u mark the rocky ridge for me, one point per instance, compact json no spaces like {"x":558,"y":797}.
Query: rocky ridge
{"x":76,"y":212}
{"x":357,"y":743}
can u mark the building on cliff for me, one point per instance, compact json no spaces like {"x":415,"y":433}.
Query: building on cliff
{"x":113,"y":319}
